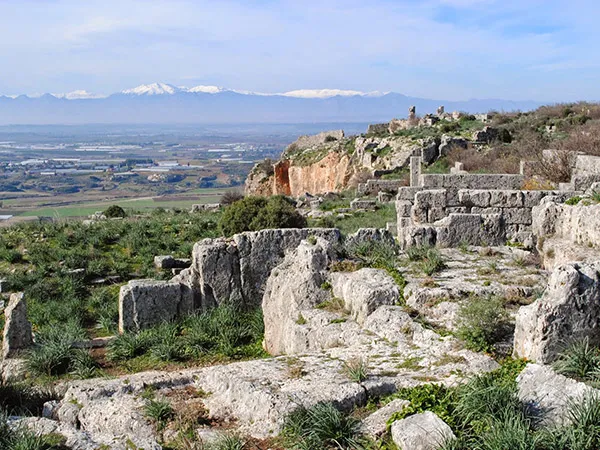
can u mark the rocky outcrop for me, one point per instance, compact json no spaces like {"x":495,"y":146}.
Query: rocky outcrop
{"x":566,"y":232}
{"x":223,"y":270}
{"x":425,"y":431}
{"x":17,"y":334}
{"x":293,"y":288}
{"x":568,"y":311}
{"x":364,"y":291}
{"x":375,"y":425}
{"x":549,"y":394}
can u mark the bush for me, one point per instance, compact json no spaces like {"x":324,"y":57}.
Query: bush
{"x":258,"y":213}
{"x":482,"y":323}
{"x":230,"y":197}
{"x":320,"y":427}
{"x":227,"y":441}
{"x":429,"y":259}
{"x":356,"y":370}
{"x":114,"y":211}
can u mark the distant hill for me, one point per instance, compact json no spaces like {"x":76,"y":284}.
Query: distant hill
{"x":164,"y":104}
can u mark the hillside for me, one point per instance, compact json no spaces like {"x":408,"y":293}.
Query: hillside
{"x":488,"y":143}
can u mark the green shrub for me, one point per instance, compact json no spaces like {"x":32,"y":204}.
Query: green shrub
{"x":429,"y":258}
{"x":573,"y":200}
{"x":321,"y":427}
{"x":426,"y":397}
{"x":483,"y":322}
{"x":258,"y":213}
{"x":114,"y":211}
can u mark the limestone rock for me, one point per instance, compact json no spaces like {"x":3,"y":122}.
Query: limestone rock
{"x":364,"y":291}
{"x":375,"y":424}
{"x":143,"y":303}
{"x":294,"y":286}
{"x":569,"y":310}
{"x":425,"y":431}
{"x":367,"y":235}
{"x":17,"y":329}
{"x":13,"y":370}
{"x":550,"y":394}
{"x":169,"y":262}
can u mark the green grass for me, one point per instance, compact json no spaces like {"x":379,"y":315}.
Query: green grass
{"x":222,"y":332}
{"x":322,"y":427}
{"x":124,"y":249}
{"x":88,"y":209}
{"x":371,"y":219}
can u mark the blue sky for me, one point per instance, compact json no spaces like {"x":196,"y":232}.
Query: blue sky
{"x":445,"y":49}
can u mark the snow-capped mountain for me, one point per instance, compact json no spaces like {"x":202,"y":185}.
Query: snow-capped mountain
{"x":167,"y":103}
{"x":327,"y":93}
{"x":169,"y":89}
{"x":153,"y":89}
{"x":78,"y":95}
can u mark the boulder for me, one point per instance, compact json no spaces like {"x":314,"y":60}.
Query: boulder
{"x":364,"y":291}
{"x":472,"y":229}
{"x":375,"y":425}
{"x":169,"y":262}
{"x":294,"y":286}
{"x":144,"y":303}
{"x":449,"y":142}
{"x":13,"y":370}
{"x":17,"y":329}
{"x":368,"y":235}
{"x":569,"y":310}
{"x":425,"y":431}
{"x":549,"y":394}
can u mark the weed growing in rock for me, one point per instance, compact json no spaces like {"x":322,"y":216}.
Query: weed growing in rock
{"x":227,"y":441}
{"x":429,"y":259}
{"x":356,"y":370}
{"x":322,"y":427}
{"x":483,"y":322}
{"x":159,"y":411}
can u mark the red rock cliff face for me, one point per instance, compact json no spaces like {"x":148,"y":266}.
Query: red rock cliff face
{"x":281,"y":179}
{"x":331,"y":174}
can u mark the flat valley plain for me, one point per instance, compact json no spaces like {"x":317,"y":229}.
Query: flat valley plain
{"x":74,"y":171}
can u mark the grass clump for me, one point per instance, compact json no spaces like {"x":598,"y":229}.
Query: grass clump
{"x":357,"y":370}
{"x":227,"y":441}
{"x":322,"y":426}
{"x":579,"y":360}
{"x":159,"y":411}
{"x":483,"y":322}
{"x":225,"y":331}
{"x":429,"y":259}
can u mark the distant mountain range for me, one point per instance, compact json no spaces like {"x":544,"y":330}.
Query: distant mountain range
{"x":163,"y":103}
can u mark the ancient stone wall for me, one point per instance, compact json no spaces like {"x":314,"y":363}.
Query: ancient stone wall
{"x":373,"y":187}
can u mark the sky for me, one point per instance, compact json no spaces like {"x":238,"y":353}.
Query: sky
{"x":543,"y":50}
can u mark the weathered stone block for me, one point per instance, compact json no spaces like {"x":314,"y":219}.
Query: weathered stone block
{"x":17,"y":335}
{"x":408,"y":193}
{"x":424,"y":431}
{"x":473,"y":229}
{"x":144,"y":303}
{"x":568,"y":311}
{"x":364,"y":291}
{"x":357,"y":203}
{"x":517,"y":215}
{"x":436,"y":213}
{"x":403,"y":208}
{"x":471,"y":197}
{"x":477,"y":210}
{"x":506,"y":199}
